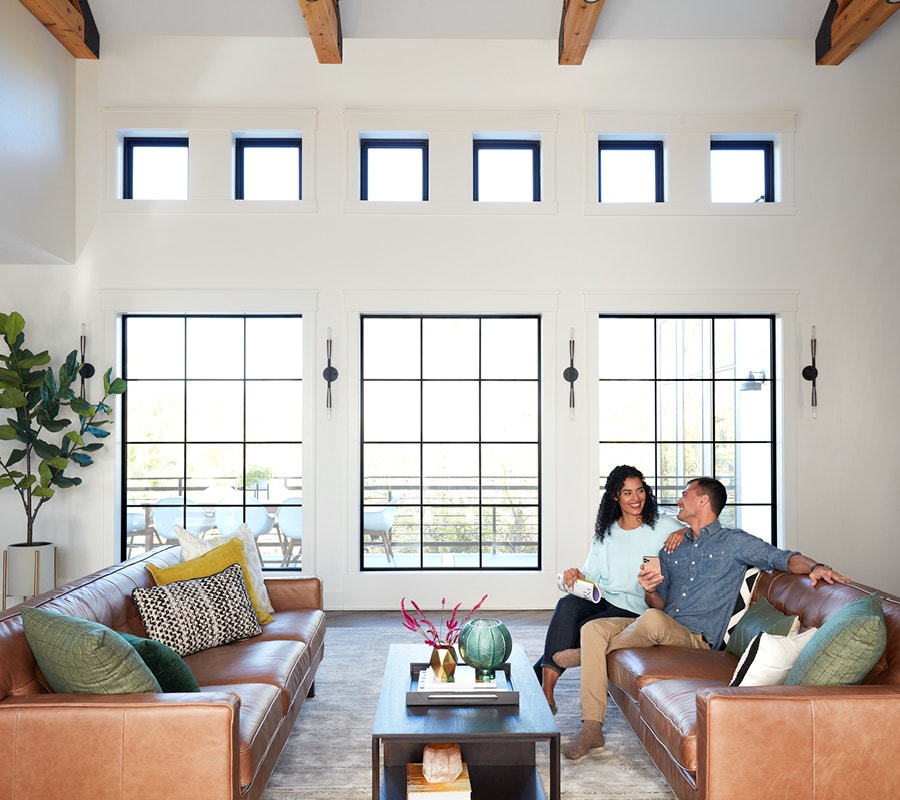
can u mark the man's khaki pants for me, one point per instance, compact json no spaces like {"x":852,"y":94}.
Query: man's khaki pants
{"x":601,"y":636}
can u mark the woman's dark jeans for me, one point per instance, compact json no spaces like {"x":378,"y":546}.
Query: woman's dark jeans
{"x":564,"y":631}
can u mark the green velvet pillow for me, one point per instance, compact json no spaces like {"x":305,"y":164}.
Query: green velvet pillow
{"x":83,"y":657}
{"x":760,"y":618}
{"x":168,"y":667}
{"x":846,"y":647}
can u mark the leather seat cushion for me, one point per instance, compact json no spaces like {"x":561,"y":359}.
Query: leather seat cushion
{"x":260,"y":720}
{"x":283,"y":664}
{"x":633,"y":669}
{"x":669,"y":710}
{"x":304,"y":625}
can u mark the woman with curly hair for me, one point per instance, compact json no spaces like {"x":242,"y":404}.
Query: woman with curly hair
{"x":628,"y":527}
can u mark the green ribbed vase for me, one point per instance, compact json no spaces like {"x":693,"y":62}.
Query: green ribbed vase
{"x":484,"y":644}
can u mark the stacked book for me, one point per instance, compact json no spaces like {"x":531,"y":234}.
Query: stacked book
{"x":418,"y":787}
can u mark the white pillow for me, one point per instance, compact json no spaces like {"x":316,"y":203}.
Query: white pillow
{"x":193,"y":546}
{"x":769,"y":658}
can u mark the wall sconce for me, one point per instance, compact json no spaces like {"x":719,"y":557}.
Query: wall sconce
{"x":570,"y":374}
{"x":810,"y":372}
{"x":86,"y":370}
{"x":753,"y":382}
{"x":329,"y":373}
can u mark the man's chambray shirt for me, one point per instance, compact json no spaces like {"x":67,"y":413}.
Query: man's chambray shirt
{"x":702,"y":578}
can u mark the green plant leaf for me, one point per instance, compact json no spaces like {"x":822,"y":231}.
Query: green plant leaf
{"x":12,"y":398}
{"x":92,"y":447}
{"x":81,"y":406}
{"x":6,"y":481}
{"x":46,"y":450}
{"x":57,"y":463}
{"x":13,"y":325}
{"x":76,"y":438}
{"x":15,"y":456}
{"x":55,"y":426}
{"x":65,"y":482}
{"x":45,"y":472}
{"x":43,"y":491}
{"x":117,"y":386}
{"x":7,"y":433}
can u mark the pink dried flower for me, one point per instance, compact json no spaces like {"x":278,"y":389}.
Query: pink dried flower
{"x":419,"y":623}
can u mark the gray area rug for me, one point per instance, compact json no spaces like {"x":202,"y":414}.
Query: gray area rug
{"x":329,"y":753}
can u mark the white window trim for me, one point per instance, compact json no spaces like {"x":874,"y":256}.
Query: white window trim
{"x":211,"y":157}
{"x":450,"y":135}
{"x":116,"y":302}
{"x":788,"y":348}
{"x":508,"y":588}
{"x":687,"y":171}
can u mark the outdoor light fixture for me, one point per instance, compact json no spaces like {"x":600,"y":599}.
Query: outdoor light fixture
{"x":329,"y":373}
{"x":810,"y":373}
{"x":752,"y":384}
{"x":86,"y":370}
{"x":570,"y":374}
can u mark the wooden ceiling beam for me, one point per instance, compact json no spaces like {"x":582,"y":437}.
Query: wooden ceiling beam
{"x":847,"y":24}
{"x":323,"y":20}
{"x":576,"y":29}
{"x":71,"y":22}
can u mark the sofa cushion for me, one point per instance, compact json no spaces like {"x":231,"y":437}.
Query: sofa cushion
{"x":260,"y":720}
{"x":847,"y":645}
{"x":744,"y":599}
{"x":669,"y":709}
{"x":634,"y":668}
{"x":211,"y":562}
{"x":769,"y":658}
{"x":284,"y":665}
{"x":194,"y":615}
{"x":166,"y":665}
{"x":84,"y":657}
{"x":193,"y":547}
{"x":761,"y":616}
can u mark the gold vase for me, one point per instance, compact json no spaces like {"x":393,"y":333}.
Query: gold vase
{"x":443,"y":662}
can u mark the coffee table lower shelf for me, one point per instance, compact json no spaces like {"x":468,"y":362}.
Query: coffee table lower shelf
{"x":516,"y":782}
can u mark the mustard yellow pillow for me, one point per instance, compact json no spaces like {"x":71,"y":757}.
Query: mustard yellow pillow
{"x":211,"y":563}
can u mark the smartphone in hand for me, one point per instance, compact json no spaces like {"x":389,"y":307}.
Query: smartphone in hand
{"x":651,"y":562}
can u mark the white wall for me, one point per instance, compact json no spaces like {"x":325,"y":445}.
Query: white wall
{"x":835,"y":252}
{"x":37,"y":143}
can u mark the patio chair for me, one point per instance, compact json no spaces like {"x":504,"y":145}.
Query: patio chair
{"x":171,"y":511}
{"x":377,"y":524}
{"x":290,"y":523}
{"x":258,"y":519}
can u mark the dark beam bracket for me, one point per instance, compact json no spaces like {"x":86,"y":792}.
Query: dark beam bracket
{"x":823,"y":38}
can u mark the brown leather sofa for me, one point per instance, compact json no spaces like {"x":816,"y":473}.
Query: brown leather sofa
{"x":715,"y":742}
{"x":222,"y":742}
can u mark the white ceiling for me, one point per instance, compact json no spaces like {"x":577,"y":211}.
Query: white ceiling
{"x":465,"y":19}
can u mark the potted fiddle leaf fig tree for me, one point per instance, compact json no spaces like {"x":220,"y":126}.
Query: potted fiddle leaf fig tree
{"x":47,"y":430}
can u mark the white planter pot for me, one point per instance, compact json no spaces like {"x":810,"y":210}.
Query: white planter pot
{"x":29,"y":570}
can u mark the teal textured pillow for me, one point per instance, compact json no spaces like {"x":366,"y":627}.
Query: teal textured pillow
{"x":170,"y":670}
{"x":760,"y":618}
{"x":847,"y":646}
{"x":83,"y":657}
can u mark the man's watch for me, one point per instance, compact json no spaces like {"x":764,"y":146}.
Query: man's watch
{"x":820,"y":564}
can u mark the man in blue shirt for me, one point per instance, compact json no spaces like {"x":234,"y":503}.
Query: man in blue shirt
{"x":690,"y":599}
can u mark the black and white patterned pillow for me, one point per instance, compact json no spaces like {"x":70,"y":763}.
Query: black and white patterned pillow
{"x":200,"y":613}
{"x":743,"y":601}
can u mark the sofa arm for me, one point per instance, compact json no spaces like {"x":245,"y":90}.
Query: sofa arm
{"x":111,"y":747}
{"x":289,"y":592}
{"x":797,"y":742}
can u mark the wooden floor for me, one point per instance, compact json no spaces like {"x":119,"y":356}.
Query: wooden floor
{"x":387,"y":619}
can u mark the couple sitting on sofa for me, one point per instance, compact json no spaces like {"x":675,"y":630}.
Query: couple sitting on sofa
{"x":689,"y":600}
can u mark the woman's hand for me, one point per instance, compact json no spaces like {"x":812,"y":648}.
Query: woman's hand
{"x":675,"y":539}
{"x":572,"y":575}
